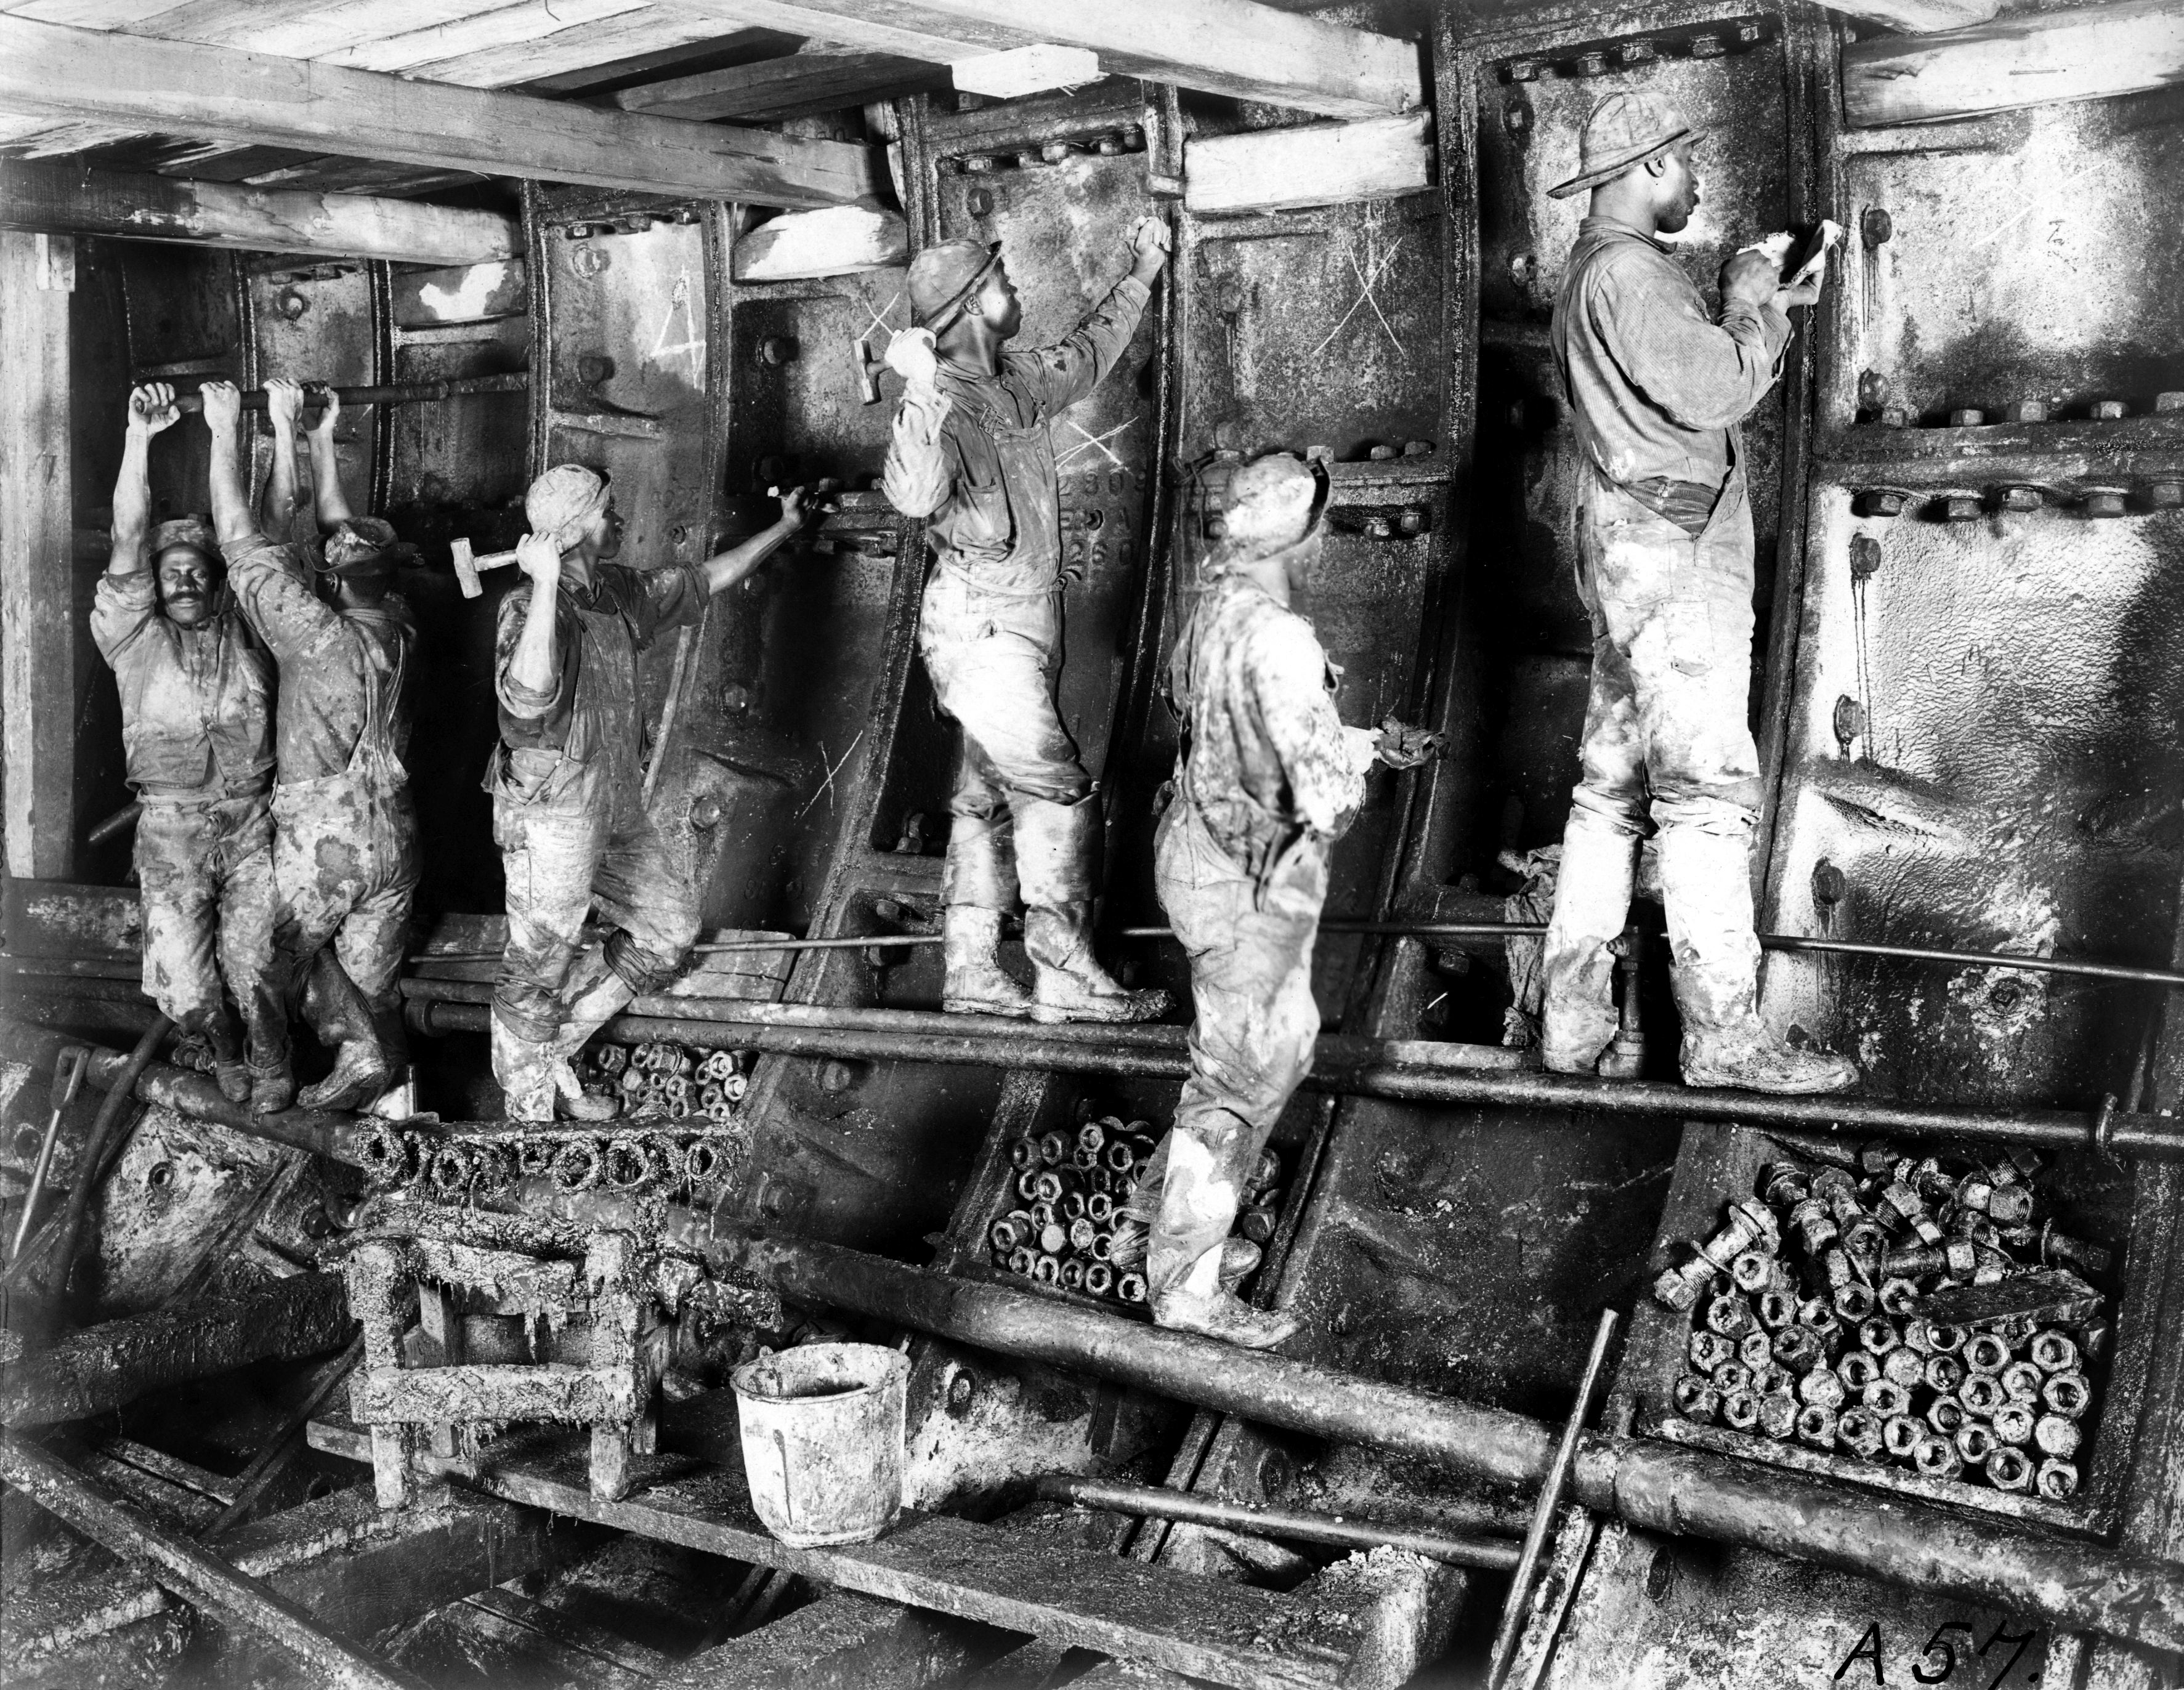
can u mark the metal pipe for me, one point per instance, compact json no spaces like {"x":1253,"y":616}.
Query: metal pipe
{"x":1657,"y":1487}
{"x":68,"y":1078}
{"x":192,"y":1573}
{"x":1548,"y":1505}
{"x":1363,"y":1068}
{"x":121,"y":821}
{"x":1490,"y":1554}
{"x":399,"y":393}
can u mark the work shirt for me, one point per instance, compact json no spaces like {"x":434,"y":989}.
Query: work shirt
{"x":1657,"y":385}
{"x":1266,"y":756}
{"x":196,"y":703}
{"x":590,"y":717}
{"x":343,"y":705}
{"x":976,"y":459}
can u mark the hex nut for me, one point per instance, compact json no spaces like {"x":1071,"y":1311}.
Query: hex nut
{"x":1709,"y":1350}
{"x":1740,"y":1410}
{"x":1778,"y":1414}
{"x":1732,"y":1377}
{"x":1778,"y":1309}
{"x":2013,"y":1423}
{"x":1858,"y":1432}
{"x":2067,"y":1393}
{"x":2020,"y":499}
{"x":1945,"y":1414}
{"x":1822,"y":1388}
{"x":1975,"y":1442}
{"x":1730,"y":1316}
{"x":2020,"y":1382}
{"x":1877,"y":1334}
{"x":1960,"y":507}
{"x":1750,"y":1272}
{"x":1817,"y":1315}
{"x":1858,"y":1369}
{"x":2101,"y":501}
{"x":1982,"y":1394}
{"x":2053,"y":1351}
{"x":1905,"y":1367}
{"x":2056,"y":1481}
{"x":1816,"y":1425}
{"x":1967,"y":419}
{"x":2109,"y":410}
{"x":2026,"y":411}
{"x":1756,"y":1350}
{"x":1887,"y":1398}
{"x":1945,"y":1340}
{"x":1774,"y":1381}
{"x":2057,"y":1436}
{"x":1898,"y":1296}
{"x":1944,"y":1374}
{"x":2008,"y":1469}
{"x":1695,"y":1398}
{"x":1854,"y":1302}
{"x":1901,"y":1435}
{"x":1937,"y":1457}
{"x":1798,"y":1348}
{"x":1984,"y":1352}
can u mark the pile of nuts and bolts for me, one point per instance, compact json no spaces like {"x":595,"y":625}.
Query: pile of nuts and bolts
{"x":1807,"y":1323}
{"x":456,"y":1169}
{"x":673,"y":1080}
{"x":1067,"y":1227}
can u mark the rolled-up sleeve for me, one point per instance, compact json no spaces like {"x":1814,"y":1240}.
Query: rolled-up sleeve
{"x":1068,"y":370}
{"x":916,"y":477}
{"x":528,"y":704}
{"x":1702,"y":374}
{"x":1320,"y":757}
{"x":120,"y":609}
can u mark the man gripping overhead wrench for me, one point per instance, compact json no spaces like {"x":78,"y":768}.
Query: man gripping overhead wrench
{"x":568,"y":781}
{"x":1657,"y":387}
{"x":972,"y":454}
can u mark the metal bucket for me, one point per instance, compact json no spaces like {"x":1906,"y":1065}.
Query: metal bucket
{"x":823,"y":1432}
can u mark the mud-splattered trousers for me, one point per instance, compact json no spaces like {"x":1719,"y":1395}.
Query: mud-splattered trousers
{"x":976,"y":459}
{"x":568,"y":814}
{"x":196,"y":722}
{"x":344,"y":833}
{"x":1270,"y":780}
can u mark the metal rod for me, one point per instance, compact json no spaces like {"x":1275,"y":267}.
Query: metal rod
{"x":1490,"y":1554}
{"x":68,"y":1080}
{"x":1548,"y":1505}
{"x":399,"y":393}
{"x":1367,"y":1068}
{"x":1657,"y":1486}
{"x":190,"y":1572}
{"x":119,"y":823}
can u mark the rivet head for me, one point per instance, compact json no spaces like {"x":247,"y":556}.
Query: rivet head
{"x":1876,"y":228}
{"x":1830,"y":885}
{"x":2026,"y":411}
{"x":1967,"y":419}
{"x":2020,"y":499}
{"x":1707,"y":45}
{"x":979,"y":202}
{"x":2165,"y":403}
{"x":1873,"y":390}
{"x":2104,"y":501}
{"x":1590,"y":64}
{"x":2165,"y":495}
{"x":1961,"y":507}
{"x":1864,"y":557}
{"x":2109,"y":410}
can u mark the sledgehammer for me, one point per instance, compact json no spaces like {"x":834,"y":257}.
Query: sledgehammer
{"x":469,"y":566}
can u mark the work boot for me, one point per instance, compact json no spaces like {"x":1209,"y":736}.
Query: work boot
{"x":1131,"y":1238}
{"x":1706,"y":879}
{"x":234,"y":1077}
{"x":359,"y":1078}
{"x":1592,"y":904}
{"x":524,"y":1069}
{"x":1069,"y":984}
{"x":336,"y":1012}
{"x":574,"y":1102}
{"x":974,"y":982}
{"x":1201,"y":1304}
{"x":272,"y":1090}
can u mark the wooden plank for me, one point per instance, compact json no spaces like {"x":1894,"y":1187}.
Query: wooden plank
{"x":838,"y":241}
{"x":2089,"y":53}
{"x":1018,"y":1580}
{"x":795,"y":85}
{"x":155,"y":208}
{"x":440,"y":42}
{"x":1321,"y":163}
{"x":301,"y":28}
{"x":634,"y":61}
{"x":37,"y":603}
{"x":1920,"y":17}
{"x":183,"y":89}
{"x":652,"y":30}
{"x":1224,"y":46}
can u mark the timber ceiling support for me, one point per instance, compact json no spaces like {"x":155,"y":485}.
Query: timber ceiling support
{"x":36,"y":194}
{"x":1222,"y":47}
{"x":224,"y":94}
{"x":2087,"y":52}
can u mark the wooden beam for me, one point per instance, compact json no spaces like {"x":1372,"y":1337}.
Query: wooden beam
{"x":1919,"y":17}
{"x":149,"y":208}
{"x":223,"y":93}
{"x":2089,"y":53}
{"x":1321,"y":163}
{"x":794,"y":85}
{"x":839,"y":241}
{"x":1237,"y":47}
{"x":37,"y":557}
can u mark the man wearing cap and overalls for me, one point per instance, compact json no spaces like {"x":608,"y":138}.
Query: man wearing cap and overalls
{"x":1657,"y":387}
{"x":971,"y":454}
{"x":344,"y":830}
{"x":196,"y":722}
{"x":568,"y":781}
{"x":1269,"y":780}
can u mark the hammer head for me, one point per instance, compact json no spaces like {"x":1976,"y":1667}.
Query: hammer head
{"x":868,"y":366}
{"x":465,"y":568}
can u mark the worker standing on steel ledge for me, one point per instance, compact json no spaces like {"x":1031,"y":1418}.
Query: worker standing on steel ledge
{"x":971,"y":453}
{"x":197,"y":724}
{"x":1657,"y":387}
{"x":568,"y":785}
{"x":1269,"y":780}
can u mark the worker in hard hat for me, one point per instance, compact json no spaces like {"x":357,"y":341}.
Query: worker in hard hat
{"x":197,"y":725}
{"x":568,"y":783}
{"x":1269,"y":780}
{"x":344,"y":830}
{"x":1657,"y":385}
{"x":971,"y":454}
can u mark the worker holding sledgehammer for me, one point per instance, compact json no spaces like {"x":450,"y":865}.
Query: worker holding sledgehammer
{"x":568,"y":784}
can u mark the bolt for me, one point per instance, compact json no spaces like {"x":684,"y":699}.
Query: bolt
{"x":2057,"y":1436}
{"x":777,"y":349}
{"x":1961,"y":507}
{"x":2109,"y":410}
{"x":1634,"y":52}
{"x":1056,"y":151}
{"x":1880,"y":502}
{"x":1411,"y":522}
{"x":1849,"y":720}
{"x":1967,"y":419}
{"x":2073,"y":1252}
{"x":2104,"y":501}
{"x":1517,"y":116}
{"x":979,"y":202}
{"x":2165,"y":402}
{"x":1523,"y":70}
{"x":2026,"y":411}
{"x":1876,"y":227}
{"x":962,"y":1392}
{"x":1707,"y":45}
{"x":1749,"y":35}
{"x":1590,"y":64}
{"x":1895,"y":416}
{"x":980,"y":164}
{"x":705,"y":812}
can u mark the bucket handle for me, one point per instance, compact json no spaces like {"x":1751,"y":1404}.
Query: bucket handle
{"x":787,"y":1499}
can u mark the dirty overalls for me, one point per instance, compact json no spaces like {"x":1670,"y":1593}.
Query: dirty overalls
{"x":1269,"y":779}
{"x":568,"y":813}
{"x":989,"y":629}
{"x":344,"y":828}
{"x":1665,"y":571}
{"x":197,"y":723}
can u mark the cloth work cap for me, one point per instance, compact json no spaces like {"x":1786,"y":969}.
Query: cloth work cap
{"x":561,"y":502}
{"x":1267,"y":507}
{"x":364,"y":542}
{"x":1625,"y":128}
{"x":193,"y":531}
{"x":944,"y":275}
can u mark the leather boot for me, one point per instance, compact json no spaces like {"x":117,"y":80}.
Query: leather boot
{"x":272,"y":1090}
{"x":974,"y":982}
{"x":1706,"y":882}
{"x":593,"y":1006}
{"x":1592,"y":904}
{"x":574,"y":1102}
{"x":1057,"y":865}
{"x":337,"y":1013}
{"x":1201,"y":1305}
